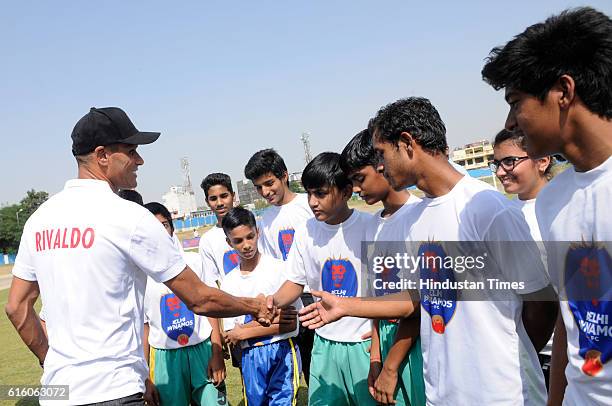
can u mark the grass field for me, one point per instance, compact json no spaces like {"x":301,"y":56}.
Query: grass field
{"x":19,"y":367}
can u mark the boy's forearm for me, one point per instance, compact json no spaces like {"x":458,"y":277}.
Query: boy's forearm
{"x":215,"y":335}
{"x":407,"y":333}
{"x":558,"y":381}
{"x":398,"y":305}
{"x":260,"y":331}
{"x":145,"y":342}
{"x":375,"y":343}
{"x":288,"y":293}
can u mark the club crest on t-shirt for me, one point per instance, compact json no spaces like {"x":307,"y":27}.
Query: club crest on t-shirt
{"x":588,"y":273}
{"x":439,"y":303}
{"x":285,"y":240}
{"x":230,"y":260}
{"x":257,"y":341}
{"x":339,"y":277}
{"x":176,"y":319}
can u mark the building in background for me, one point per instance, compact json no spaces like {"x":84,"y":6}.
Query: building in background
{"x":180,"y":201}
{"x":473,"y":156}
{"x":247,"y":194}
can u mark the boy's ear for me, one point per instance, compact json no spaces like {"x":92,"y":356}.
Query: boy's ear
{"x":347,"y":191}
{"x":228,"y":242}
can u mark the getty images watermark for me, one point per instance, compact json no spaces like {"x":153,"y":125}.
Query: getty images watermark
{"x":499,"y":270}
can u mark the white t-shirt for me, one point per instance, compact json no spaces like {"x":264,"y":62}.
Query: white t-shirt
{"x":328,"y":257}
{"x":171,"y":324}
{"x":267,"y":277}
{"x":528,"y":209}
{"x":477,"y":352}
{"x":278,"y":226}
{"x":218,"y":258}
{"x":575,"y":206}
{"x":91,"y":252}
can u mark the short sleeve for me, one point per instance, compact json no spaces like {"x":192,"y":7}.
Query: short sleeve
{"x":518,"y":256}
{"x":24,"y":268}
{"x":154,"y":251}
{"x":210,"y":270}
{"x":296,"y":269}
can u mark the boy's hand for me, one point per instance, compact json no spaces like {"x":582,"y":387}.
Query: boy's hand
{"x":151,"y":395}
{"x":322,"y":312}
{"x":385,"y":386}
{"x":286,"y":316}
{"x":235,"y":335}
{"x":375,"y":368}
{"x":216,"y":367}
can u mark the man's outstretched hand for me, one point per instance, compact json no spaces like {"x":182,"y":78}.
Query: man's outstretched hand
{"x":322,"y":312}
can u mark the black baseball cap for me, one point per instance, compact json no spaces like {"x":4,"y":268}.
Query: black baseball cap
{"x":106,"y":126}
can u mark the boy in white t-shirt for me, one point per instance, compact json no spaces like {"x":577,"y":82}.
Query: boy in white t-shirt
{"x":270,"y":358}
{"x":561,"y":102}
{"x":218,"y":258}
{"x":183,"y":349}
{"x":474,"y":352}
{"x":326,"y":255}
{"x":268,"y":172}
{"x":396,"y":363}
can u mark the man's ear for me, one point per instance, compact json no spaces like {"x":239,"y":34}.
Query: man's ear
{"x":406,"y":142}
{"x":567,"y":87}
{"x":101,"y":155}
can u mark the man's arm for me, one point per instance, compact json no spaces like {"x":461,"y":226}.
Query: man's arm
{"x":539,"y":316}
{"x":20,"y":311}
{"x":331,"y":308}
{"x":558,"y":381}
{"x":212,"y":302}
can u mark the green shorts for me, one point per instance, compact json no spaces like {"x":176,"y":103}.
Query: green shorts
{"x":339,"y":373}
{"x":181,"y":376}
{"x":410,"y":384}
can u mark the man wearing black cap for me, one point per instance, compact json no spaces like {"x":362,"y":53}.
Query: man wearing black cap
{"x":88,"y":253}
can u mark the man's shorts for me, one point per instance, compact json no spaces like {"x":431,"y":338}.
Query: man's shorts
{"x":180,"y":375}
{"x":410,"y":384}
{"x":339,"y":373}
{"x":271,"y":373}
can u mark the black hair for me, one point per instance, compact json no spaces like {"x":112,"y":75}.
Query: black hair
{"x":158,"y":208}
{"x":325,"y":170}
{"x":414,"y":115}
{"x":520,"y":141}
{"x":131,"y":195}
{"x":576,"y":42}
{"x":215,"y":179}
{"x":264,"y":162}
{"x":238,"y":216}
{"x":359,"y":153}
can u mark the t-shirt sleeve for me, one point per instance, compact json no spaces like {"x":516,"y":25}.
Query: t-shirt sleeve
{"x":24,"y":267}
{"x":154,"y":251}
{"x":210,"y":270}
{"x":296,"y":268}
{"x":517,"y":255}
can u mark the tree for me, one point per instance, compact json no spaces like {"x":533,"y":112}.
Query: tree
{"x":13,"y":218}
{"x":296,"y":186}
{"x":10,"y":231}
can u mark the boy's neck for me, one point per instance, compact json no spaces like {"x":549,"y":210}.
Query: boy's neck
{"x":394,"y":201}
{"x":247,"y":265}
{"x":341,"y":217}
{"x":590,"y":145}
{"x":437,"y":177}
{"x":288,"y":197}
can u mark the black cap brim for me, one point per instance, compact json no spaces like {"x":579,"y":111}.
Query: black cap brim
{"x":141,"y":138}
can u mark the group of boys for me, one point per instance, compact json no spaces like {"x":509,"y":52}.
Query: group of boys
{"x":428,"y":346}
{"x":466,"y":352}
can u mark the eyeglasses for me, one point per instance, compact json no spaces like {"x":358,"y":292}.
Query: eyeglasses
{"x":508,"y":163}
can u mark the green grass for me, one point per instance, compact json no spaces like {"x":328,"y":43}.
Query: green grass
{"x":19,"y":367}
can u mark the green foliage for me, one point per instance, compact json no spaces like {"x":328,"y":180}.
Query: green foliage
{"x":13,"y":218}
{"x":261,"y":204}
{"x":296,"y":186}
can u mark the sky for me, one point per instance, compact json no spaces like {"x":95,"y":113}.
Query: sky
{"x":221,"y":80}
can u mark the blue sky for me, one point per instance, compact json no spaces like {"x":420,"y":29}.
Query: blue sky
{"x":222,"y":80}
